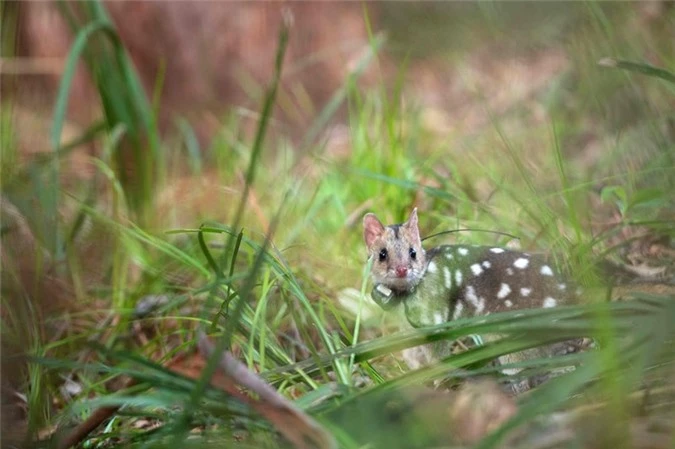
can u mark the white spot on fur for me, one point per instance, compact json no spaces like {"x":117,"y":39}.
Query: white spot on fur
{"x":562,"y":286}
{"x":478,"y":303}
{"x":487,"y":264}
{"x":471,"y":296}
{"x":462,"y":251}
{"x":525,"y":291}
{"x":546,"y":271}
{"x":438,"y":318}
{"x":549,"y":302}
{"x":432,"y":268}
{"x":459,"y":308}
{"x":497,"y":250}
{"x":509,"y":271}
{"x":481,"y":306}
{"x":476,"y":269}
{"x":383,"y":289}
{"x":504,"y":291}
{"x":458,"y":277}
{"x":511,"y":371}
{"x":449,"y":256}
{"x":446,"y":275}
{"x":521,"y":263}
{"x":508,"y":303}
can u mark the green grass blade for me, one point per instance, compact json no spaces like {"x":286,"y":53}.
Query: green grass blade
{"x":639,"y":67}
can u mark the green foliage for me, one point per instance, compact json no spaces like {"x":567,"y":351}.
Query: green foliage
{"x":646,"y":69}
{"x":270,"y":290}
{"x":8,"y":148}
{"x":122,"y":97}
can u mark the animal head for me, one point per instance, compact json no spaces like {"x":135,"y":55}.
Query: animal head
{"x":399,"y":260}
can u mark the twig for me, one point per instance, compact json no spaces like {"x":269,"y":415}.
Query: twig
{"x":100,"y":415}
{"x":296,"y":426}
{"x":95,"y":419}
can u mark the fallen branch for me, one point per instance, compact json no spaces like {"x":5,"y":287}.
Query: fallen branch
{"x":296,"y":426}
{"x":95,"y":419}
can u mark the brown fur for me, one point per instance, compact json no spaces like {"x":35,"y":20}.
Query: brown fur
{"x":397,"y":241}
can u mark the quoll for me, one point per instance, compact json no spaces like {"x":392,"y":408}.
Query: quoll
{"x":454,"y":281}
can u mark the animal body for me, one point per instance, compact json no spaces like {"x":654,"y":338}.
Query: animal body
{"x":449,"y":282}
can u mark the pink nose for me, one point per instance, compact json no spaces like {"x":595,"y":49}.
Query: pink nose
{"x":401,"y":272}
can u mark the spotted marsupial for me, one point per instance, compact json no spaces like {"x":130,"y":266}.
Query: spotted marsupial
{"x":449,"y":282}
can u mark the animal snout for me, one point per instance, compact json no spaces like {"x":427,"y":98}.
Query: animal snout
{"x":401,"y":272}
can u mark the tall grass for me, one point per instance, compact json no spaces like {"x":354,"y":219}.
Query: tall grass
{"x":123,"y":100}
{"x":273,"y":297}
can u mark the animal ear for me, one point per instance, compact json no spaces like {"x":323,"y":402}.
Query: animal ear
{"x":412,"y":219}
{"x":412,"y":227}
{"x":372,"y":229}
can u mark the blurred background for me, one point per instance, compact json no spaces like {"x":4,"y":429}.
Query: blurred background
{"x":128,"y":125}
{"x":211,"y":59}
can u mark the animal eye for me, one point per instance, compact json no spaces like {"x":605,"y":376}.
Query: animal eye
{"x":383,"y":254}
{"x":413,"y":253}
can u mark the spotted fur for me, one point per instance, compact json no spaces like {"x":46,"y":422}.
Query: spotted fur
{"x":456,"y":281}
